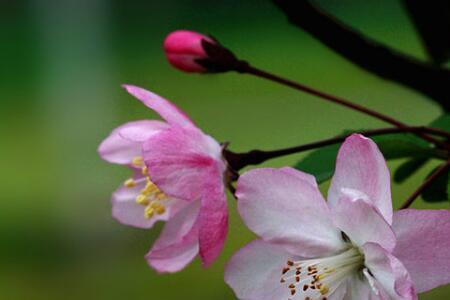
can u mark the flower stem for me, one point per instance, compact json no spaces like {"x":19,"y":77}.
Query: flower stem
{"x":248,"y":69}
{"x":237,"y":161}
{"x":439,"y":171}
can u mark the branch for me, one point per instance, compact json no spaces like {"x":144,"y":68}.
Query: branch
{"x":237,"y":161}
{"x":245,"y":68}
{"x":441,"y":170}
{"x":369,"y":54}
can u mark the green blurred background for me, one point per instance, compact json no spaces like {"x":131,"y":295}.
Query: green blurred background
{"x":62,"y":66}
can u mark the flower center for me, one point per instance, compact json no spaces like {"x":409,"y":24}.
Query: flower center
{"x":316,"y":279}
{"x":151,"y":197}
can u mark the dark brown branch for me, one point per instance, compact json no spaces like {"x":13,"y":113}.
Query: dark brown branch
{"x":441,"y":170}
{"x":237,"y":161}
{"x":369,"y":54}
{"x":246,"y":68}
{"x":432,"y":20}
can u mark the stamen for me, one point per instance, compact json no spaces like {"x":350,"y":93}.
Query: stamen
{"x":316,"y":279}
{"x":144,"y":170}
{"x":150,"y":196}
{"x":149,"y":212}
{"x":137,"y":161}
{"x":142,"y":200}
{"x":150,"y":188}
{"x":129,"y":183}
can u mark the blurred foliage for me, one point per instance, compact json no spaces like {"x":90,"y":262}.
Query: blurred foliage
{"x":62,"y":66}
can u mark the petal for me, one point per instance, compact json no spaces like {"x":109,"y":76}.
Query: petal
{"x":213,"y":219}
{"x":181,"y":159}
{"x":362,"y":223}
{"x":358,"y":289}
{"x":167,"y":110}
{"x":186,"y":42}
{"x":176,"y":257}
{"x":339,"y":293}
{"x":117,"y":149}
{"x":128,"y":212}
{"x":141,"y":131}
{"x":254,"y":272}
{"x":179,"y":226}
{"x":284,"y":207}
{"x":178,"y":242}
{"x":423,"y":246}
{"x":361,"y":167}
{"x":388,"y":273}
{"x":186,"y":63}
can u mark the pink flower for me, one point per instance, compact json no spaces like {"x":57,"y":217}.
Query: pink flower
{"x":183,"y":48}
{"x":178,"y":178}
{"x":351,"y":247}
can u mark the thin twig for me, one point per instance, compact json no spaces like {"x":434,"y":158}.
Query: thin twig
{"x":248,"y":69}
{"x":237,"y":161}
{"x":441,"y":170}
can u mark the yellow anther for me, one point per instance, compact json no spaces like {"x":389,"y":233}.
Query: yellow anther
{"x":160,"y":210}
{"x":154,"y":204}
{"x":129,"y":183}
{"x":137,"y":161}
{"x":160,"y":196}
{"x":150,"y":188}
{"x":324,"y":290}
{"x":144,"y":170}
{"x":149,"y":212}
{"x":142,"y":200}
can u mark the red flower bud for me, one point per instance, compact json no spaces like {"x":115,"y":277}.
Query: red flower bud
{"x":183,"y":48}
{"x":194,"y":52}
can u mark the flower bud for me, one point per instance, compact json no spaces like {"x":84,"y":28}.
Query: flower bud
{"x":196,"y":53}
{"x":183,"y":47}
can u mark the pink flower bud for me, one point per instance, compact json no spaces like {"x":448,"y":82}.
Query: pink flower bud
{"x":183,"y":48}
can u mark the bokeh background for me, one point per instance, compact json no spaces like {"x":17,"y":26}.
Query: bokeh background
{"x":62,"y":63}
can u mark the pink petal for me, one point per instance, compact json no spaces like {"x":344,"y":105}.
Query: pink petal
{"x":186,"y":42}
{"x":360,"y":166}
{"x":179,"y":226}
{"x":213,"y":218}
{"x":362,"y":223}
{"x":423,"y":245}
{"x":254,"y":272}
{"x":140,"y":132}
{"x":178,"y":243}
{"x":117,"y":149}
{"x":185,"y":63}
{"x":285,"y":207}
{"x":176,"y":257}
{"x":181,"y":159}
{"x":388,"y":273}
{"x":167,"y":110}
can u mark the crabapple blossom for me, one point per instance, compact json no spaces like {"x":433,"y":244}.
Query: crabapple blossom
{"x":178,"y":177}
{"x":350,"y":247}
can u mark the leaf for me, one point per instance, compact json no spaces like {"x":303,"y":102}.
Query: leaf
{"x":411,"y":166}
{"x":442,"y":122}
{"x":408,"y":168}
{"x":438,"y":190}
{"x":404,"y":145}
{"x":321,"y":162}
